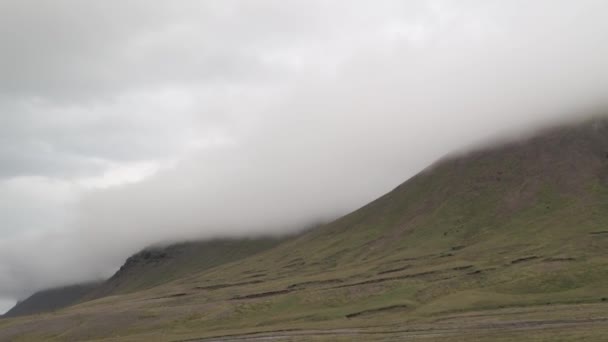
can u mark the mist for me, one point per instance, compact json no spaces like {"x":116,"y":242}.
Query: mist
{"x":133,"y":123}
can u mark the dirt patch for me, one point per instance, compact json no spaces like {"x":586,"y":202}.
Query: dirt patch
{"x":262,"y":294}
{"x":223,"y":286}
{"x":175,"y":295}
{"x":462,"y":268}
{"x":524,"y":259}
{"x":559,"y":259}
{"x":381,"y":280}
{"x":251,"y":271}
{"x":393,"y":270}
{"x":253,"y":276}
{"x":375,"y":311}
{"x":422,"y":257}
{"x":315,"y":282}
{"x":297,"y":262}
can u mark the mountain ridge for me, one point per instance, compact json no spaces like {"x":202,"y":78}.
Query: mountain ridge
{"x":152,"y":266}
{"x":517,"y":229}
{"x":50,"y":300}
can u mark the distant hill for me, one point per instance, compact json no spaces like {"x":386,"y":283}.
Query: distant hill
{"x":50,"y":300}
{"x":150,"y":267}
{"x":506,"y":243}
{"x":157,"y":265}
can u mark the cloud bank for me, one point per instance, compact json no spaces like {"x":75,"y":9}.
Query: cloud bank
{"x":125,"y":123}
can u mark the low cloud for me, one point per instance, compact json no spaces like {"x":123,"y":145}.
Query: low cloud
{"x":147,"y":122}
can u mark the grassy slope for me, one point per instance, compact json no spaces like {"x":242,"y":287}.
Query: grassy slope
{"x":50,"y":300}
{"x":480,"y":247}
{"x":150,"y":267}
{"x":155,"y":266}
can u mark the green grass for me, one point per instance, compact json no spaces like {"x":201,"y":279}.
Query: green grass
{"x":454,"y":254}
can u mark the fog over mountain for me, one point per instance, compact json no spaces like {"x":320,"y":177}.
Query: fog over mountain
{"x":126,"y":123}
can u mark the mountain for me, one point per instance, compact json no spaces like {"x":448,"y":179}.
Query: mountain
{"x":157,"y":265}
{"x":147,"y":268}
{"x":506,"y":243}
{"x":50,"y":300}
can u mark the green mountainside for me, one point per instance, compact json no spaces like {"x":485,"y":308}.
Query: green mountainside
{"x":150,"y":267}
{"x":155,"y":266}
{"x":506,"y":243}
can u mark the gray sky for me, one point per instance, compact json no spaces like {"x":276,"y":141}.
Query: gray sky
{"x":124,"y":123}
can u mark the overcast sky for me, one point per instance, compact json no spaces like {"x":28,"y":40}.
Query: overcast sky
{"x":125,"y":123}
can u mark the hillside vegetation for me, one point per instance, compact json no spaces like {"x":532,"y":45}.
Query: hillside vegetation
{"x":51,"y":300}
{"x":502,"y":244}
{"x":150,"y":267}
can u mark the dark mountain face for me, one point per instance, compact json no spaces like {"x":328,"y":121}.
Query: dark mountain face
{"x":148,"y":268}
{"x":50,"y":300}
{"x":155,"y":266}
